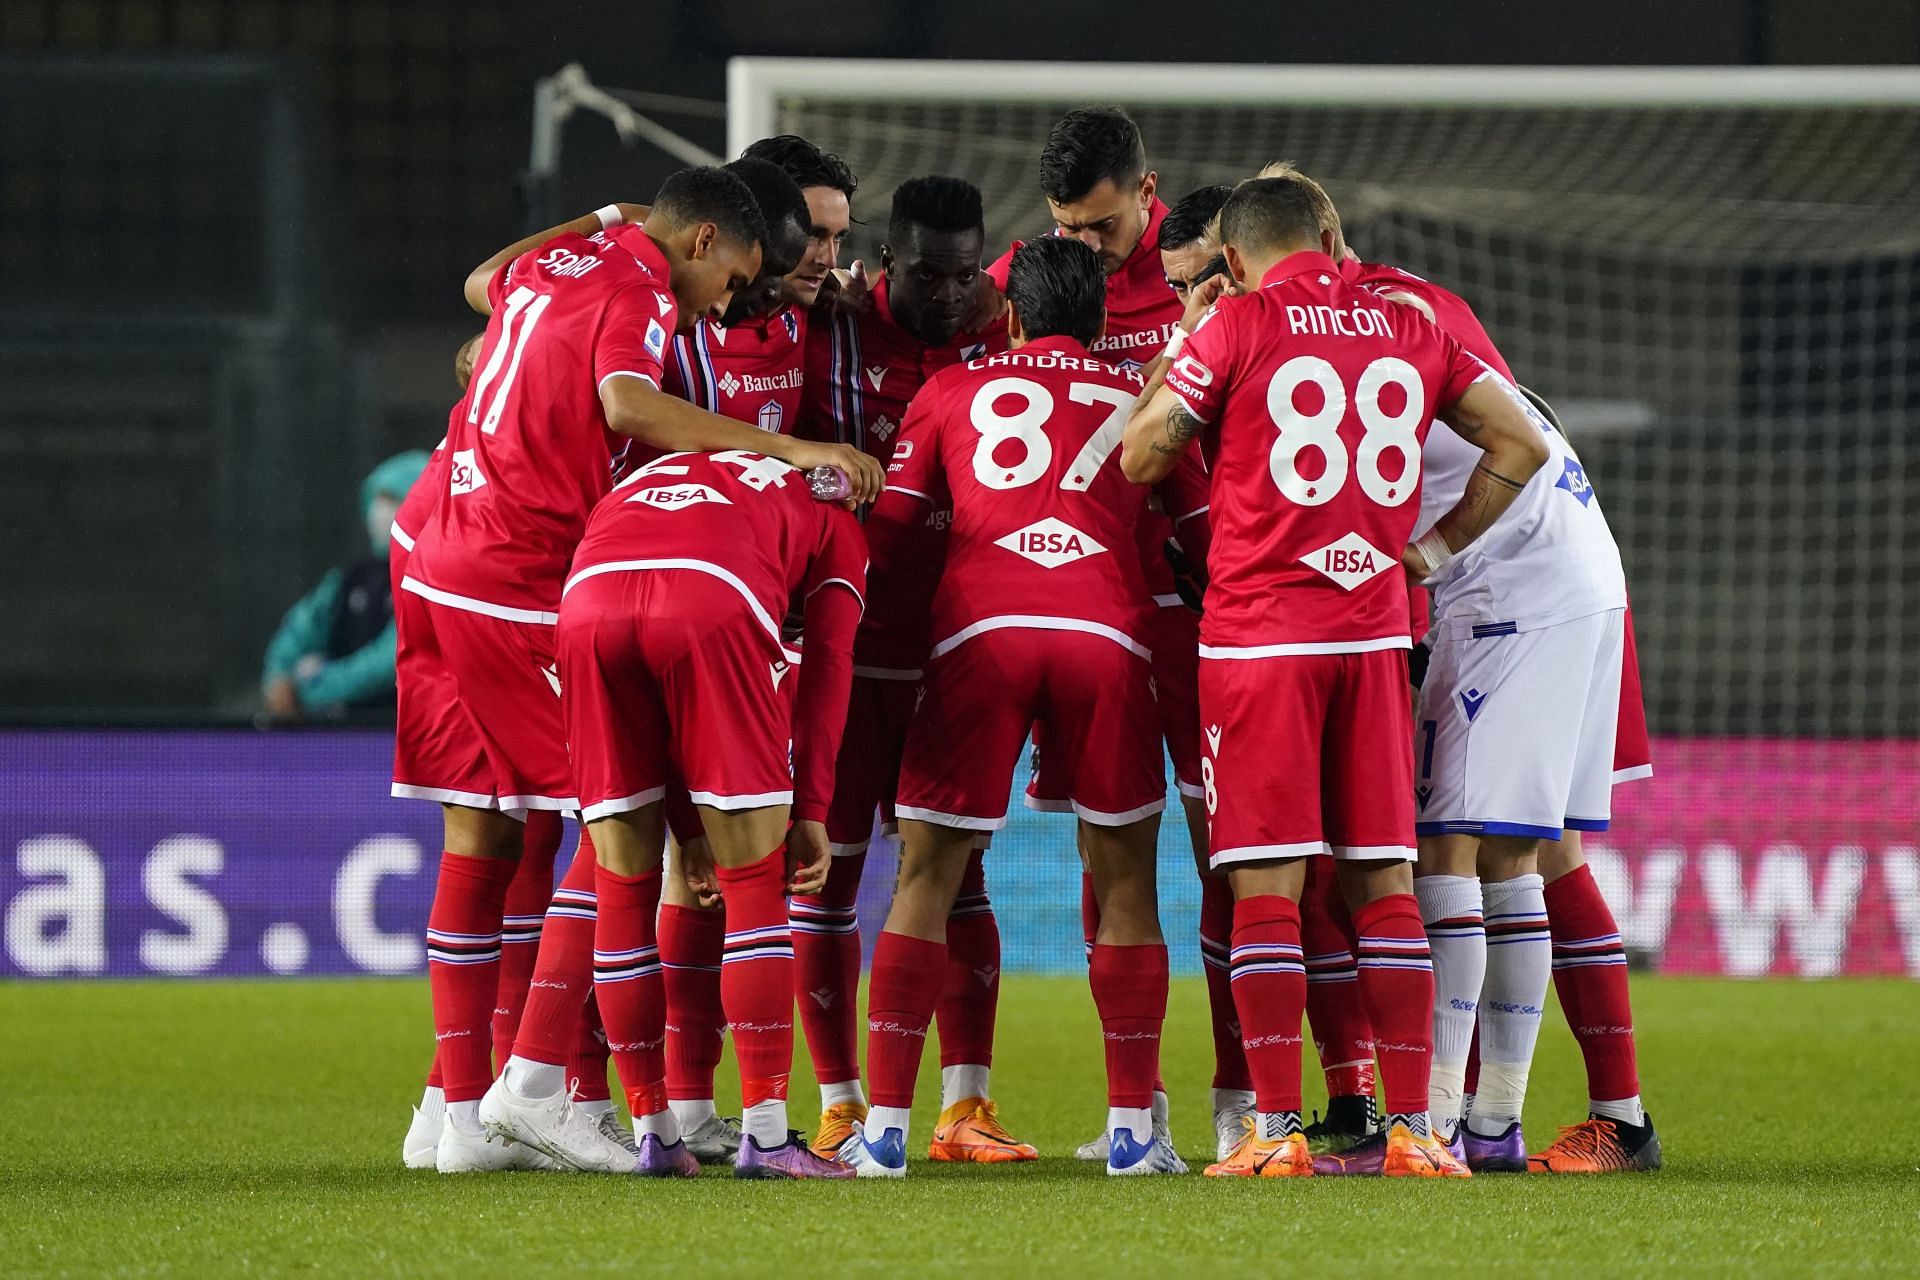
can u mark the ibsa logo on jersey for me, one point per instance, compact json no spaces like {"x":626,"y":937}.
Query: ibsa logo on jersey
{"x":1574,"y":481}
{"x":1349,"y":561}
{"x":1050,"y":543}
{"x":464,"y":474}
{"x":678,"y":497}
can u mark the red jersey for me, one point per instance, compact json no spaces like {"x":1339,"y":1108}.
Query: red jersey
{"x":532,"y":454}
{"x":1311,"y":383}
{"x":753,"y":372}
{"x":411,"y":516}
{"x":1023,"y":446}
{"x":750,"y":522}
{"x":1142,"y":313}
{"x":1450,"y":310}
{"x":862,"y":371}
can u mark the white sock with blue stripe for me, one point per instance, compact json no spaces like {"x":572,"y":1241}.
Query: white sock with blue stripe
{"x":1450,"y":909}
{"x":1519,"y":966}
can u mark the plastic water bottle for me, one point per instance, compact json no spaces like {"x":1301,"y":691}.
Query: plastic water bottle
{"x":829,"y":484}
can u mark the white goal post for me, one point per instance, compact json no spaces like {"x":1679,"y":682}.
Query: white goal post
{"x":1712,"y":272}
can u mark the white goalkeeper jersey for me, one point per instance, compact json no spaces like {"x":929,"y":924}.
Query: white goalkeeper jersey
{"x":1550,"y":558}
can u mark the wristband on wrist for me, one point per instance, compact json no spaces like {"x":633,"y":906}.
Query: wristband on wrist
{"x":610,"y":216}
{"x":1178,"y":340}
{"x":1434,"y":551}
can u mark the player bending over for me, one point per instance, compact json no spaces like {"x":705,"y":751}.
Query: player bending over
{"x":864,"y":365}
{"x":1040,"y":615}
{"x":568,"y":372}
{"x":670,"y":670}
{"x":1309,"y":384}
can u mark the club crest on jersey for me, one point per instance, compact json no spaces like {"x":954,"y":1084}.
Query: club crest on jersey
{"x":678,"y":497}
{"x":1574,"y":481}
{"x":1050,"y":543}
{"x":464,"y":473}
{"x":656,"y":339}
{"x":770,"y":417}
{"x":729,"y":384}
{"x":1349,"y":561}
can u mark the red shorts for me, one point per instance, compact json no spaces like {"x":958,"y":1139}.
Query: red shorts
{"x":1095,"y":698}
{"x":865,"y":775}
{"x":683,"y":820}
{"x":478,"y":722}
{"x":669,"y":678}
{"x":1175,"y":637}
{"x":1307,"y":754}
{"x":1632,"y":752}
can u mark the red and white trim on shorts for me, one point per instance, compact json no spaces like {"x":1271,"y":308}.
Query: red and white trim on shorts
{"x":1039,"y":805}
{"x":1374,"y":852}
{"x":506,"y":613}
{"x":1269,"y":852}
{"x":1170,"y":601}
{"x":401,"y":536}
{"x":1100,"y":819}
{"x":959,"y":821}
{"x":1632,"y":774}
{"x":851,"y":849}
{"x":625,"y":804}
{"x":760,"y":800}
{"x":1190,"y":790}
{"x":1041,"y":622}
{"x":760,"y":614}
{"x":1306,"y":647}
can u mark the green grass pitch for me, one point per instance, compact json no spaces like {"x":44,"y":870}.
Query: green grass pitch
{"x":219,"y":1128}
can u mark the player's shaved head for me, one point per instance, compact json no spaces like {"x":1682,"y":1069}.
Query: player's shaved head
{"x":709,"y":194}
{"x":1264,"y":220}
{"x":1190,"y":222}
{"x":1056,"y":286}
{"x":1087,"y":147}
{"x":932,"y":256}
{"x":1322,"y":202}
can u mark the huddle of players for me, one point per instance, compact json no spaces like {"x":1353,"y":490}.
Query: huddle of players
{"x":1013,"y":577}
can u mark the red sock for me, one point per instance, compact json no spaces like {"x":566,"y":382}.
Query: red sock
{"x":1471,"y":1085}
{"x":1130,"y":991}
{"x":971,"y":996}
{"x":901,"y":992}
{"x":756,"y":975}
{"x":1396,"y":981}
{"x":1270,"y":992}
{"x":587,"y":1064}
{"x":1216,"y":945}
{"x":1089,"y":913}
{"x":826,"y":970}
{"x":433,"y":1072}
{"x":525,"y":911}
{"x":551,"y":1026}
{"x":626,"y":986}
{"x":1590,"y":976}
{"x":691,"y":941}
{"x":1336,"y":1014}
{"x":463,"y":968}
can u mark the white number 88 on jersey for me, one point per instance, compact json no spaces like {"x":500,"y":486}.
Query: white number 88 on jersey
{"x":1320,"y":430}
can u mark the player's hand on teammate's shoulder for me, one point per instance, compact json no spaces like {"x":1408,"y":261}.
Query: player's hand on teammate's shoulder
{"x":809,"y":857}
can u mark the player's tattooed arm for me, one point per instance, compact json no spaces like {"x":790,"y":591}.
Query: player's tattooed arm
{"x":1487,"y":416}
{"x":1158,"y":431}
{"x":1179,"y":431}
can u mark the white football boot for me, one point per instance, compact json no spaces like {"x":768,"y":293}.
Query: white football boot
{"x":558,"y":1129}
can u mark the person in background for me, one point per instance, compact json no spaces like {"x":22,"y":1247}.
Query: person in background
{"x":333,"y":651}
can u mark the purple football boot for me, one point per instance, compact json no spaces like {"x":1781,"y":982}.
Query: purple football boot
{"x":1504,"y":1154}
{"x":791,"y":1159}
{"x":659,"y":1160}
{"x":1365,"y":1158}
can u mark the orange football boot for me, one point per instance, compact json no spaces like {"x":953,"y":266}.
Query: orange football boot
{"x":1595,"y":1146}
{"x":1413,"y":1157}
{"x":837,"y":1124}
{"x":970,"y":1132}
{"x":1255,"y":1157}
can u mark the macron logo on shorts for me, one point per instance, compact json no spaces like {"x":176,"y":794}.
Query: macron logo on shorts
{"x":1050,"y":543}
{"x":1471,"y":701}
{"x":1213,"y":739}
{"x":1350,"y":561}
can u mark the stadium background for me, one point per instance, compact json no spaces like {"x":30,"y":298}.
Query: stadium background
{"x":232,"y":238}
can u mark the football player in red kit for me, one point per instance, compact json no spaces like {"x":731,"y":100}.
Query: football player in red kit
{"x":1094,"y":174}
{"x":1309,"y":384}
{"x":671,"y":671}
{"x":568,"y":371}
{"x":1041,"y":614}
{"x":863,"y":367}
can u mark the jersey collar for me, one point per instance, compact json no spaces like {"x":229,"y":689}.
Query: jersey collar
{"x":634,"y":239}
{"x":1299,"y":264}
{"x":1058,"y":342}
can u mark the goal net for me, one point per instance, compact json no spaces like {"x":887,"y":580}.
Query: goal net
{"x":1715,"y":277}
